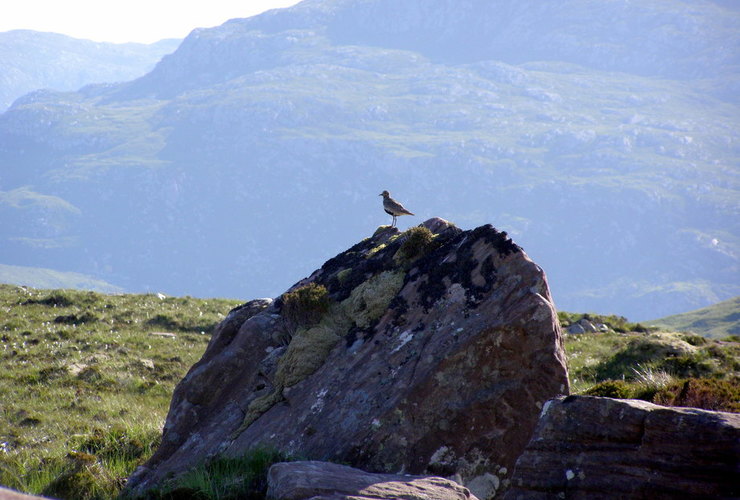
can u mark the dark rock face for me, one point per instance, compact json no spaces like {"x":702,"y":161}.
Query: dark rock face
{"x":435,"y":356}
{"x":591,"y":447}
{"x":328,"y":481}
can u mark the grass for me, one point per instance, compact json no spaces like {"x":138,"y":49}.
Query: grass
{"x":417,"y":241}
{"x":306,"y":305}
{"x":717,"y":321}
{"x":85,"y":386}
{"x":651,"y":365}
{"x":239,"y":478}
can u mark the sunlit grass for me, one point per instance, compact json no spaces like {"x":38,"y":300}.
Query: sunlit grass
{"x":85,"y":386}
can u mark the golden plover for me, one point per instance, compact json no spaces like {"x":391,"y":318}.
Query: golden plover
{"x":392,"y":207}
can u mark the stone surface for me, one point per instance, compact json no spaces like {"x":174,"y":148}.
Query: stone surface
{"x":588,"y":327}
{"x":591,"y":447}
{"x":435,"y":357}
{"x":576,"y":328}
{"x":325,"y":481}
{"x":7,"y":494}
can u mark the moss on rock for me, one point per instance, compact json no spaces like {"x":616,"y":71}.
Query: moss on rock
{"x":417,"y":241}
{"x":306,"y":353}
{"x":369,"y":300}
{"x":306,"y":305}
{"x":343,"y":274}
{"x":316,"y":335}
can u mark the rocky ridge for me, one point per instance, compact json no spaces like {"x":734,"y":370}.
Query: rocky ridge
{"x":425,"y":352}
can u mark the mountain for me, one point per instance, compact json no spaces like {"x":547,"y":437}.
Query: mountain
{"x":32,"y":60}
{"x":715,"y":321}
{"x":603,"y":136}
{"x":36,"y":277}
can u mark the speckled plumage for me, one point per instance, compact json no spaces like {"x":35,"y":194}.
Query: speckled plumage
{"x":392,"y":207}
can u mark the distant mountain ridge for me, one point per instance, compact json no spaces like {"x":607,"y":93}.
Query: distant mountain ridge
{"x":258,"y":148}
{"x":48,"y":278}
{"x":32,"y":60}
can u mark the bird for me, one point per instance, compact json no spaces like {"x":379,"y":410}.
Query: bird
{"x":392,"y":207}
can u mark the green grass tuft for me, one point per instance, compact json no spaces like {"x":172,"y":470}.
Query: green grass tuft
{"x":305,"y":306}
{"x":416,"y":242}
{"x":610,"y":389}
{"x":241,"y":478}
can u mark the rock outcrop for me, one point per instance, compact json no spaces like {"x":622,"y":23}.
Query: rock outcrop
{"x":591,"y":447}
{"x":425,"y":352}
{"x":328,"y":481}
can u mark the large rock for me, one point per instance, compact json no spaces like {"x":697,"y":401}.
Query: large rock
{"x":590,"y":447}
{"x":433,"y":354}
{"x":328,"y":481}
{"x":7,"y":494}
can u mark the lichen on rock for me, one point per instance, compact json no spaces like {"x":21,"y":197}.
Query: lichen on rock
{"x":446,"y":345}
{"x":370,"y":300}
{"x":306,"y":352}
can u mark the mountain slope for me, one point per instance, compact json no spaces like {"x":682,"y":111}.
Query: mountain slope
{"x":715,"y":321}
{"x":37,"y":277}
{"x":258,"y":148}
{"x":34,"y":60}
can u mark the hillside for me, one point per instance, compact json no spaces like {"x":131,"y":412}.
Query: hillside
{"x":33,"y":60}
{"x":716,"y":321}
{"x":257,"y":149}
{"x":88,"y":384}
{"x":82,"y":374}
{"x":37,"y":277}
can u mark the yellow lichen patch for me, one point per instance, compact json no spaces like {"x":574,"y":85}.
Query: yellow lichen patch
{"x":375,"y":250}
{"x":258,"y":407}
{"x":369,"y":300}
{"x":306,"y":353}
{"x":311,"y":345}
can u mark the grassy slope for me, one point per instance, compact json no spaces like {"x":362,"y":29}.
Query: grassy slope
{"x":85,"y":388}
{"x":82,"y":383}
{"x":719,"y":320}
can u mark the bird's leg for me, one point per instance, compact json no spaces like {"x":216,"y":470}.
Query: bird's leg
{"x":394,"y":221}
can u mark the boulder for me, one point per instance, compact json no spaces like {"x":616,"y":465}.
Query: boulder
{"x":592,"y":447}
{"x":575,"y":329}
{"x":587,"y":326}
{"x":425,"y":352}
{"x":7,"y":494}
{"x":327,"y":481}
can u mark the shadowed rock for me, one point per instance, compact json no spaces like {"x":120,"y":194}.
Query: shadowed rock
{"x":435,"y":355}
{"x":328,"y":481}
{"x":591,"y":447}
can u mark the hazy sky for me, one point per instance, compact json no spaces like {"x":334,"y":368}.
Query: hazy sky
{"x":126,"y":20}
